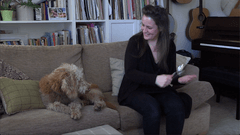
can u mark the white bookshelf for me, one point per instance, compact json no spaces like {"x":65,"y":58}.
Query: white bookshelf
{"x":114,"y":30}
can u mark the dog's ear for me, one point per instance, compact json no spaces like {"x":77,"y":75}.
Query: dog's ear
{"x":92,"y":86}
{"x":57,"y":78}
{"x":44,"y":85}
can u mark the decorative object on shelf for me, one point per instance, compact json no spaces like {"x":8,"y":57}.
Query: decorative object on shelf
{"x":6,"y":10}
{"x":55,"y":13}
{"x":7,"y":15}
{"x":25,"y":10}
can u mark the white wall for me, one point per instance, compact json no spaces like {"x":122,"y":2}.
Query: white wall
{"x":180,"y":12}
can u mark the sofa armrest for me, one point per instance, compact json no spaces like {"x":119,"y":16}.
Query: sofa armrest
{"x":199,"y":91}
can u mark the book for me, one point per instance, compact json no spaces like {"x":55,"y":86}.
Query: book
{"x":38,"y":14}
{"x":124,"y":4}
{"x":46,"y":11}
{"x":77,"y":9}
{"x":82,"y":9}
{"x":11,"y":41}
{"x":82,"y":36}
{"x":55,"y":13}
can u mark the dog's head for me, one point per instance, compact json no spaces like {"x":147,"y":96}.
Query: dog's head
{"x":75,"y":82}
{"x":67,"y":80}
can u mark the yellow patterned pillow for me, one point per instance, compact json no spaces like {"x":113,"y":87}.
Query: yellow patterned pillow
{"x":20,"y":95}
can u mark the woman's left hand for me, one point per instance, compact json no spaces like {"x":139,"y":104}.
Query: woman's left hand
{"x":186,"y":79}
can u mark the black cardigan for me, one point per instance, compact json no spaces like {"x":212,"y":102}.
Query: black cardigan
{"x":138,"y":70}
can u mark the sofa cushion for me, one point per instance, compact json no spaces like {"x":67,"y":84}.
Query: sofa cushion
{"x":46,"y":122}
{"x":20,"y":95}
{"x":96,"y":64}
{"x":37,"y":61}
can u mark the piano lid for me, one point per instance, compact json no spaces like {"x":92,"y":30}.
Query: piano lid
{"x":222,"y":28}
{"x":221,"y":34}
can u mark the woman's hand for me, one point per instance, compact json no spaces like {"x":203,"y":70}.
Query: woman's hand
{"x":186,"y":79}
{"x":163,"y":80}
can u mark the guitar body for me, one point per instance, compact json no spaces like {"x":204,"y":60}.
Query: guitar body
{"x":182,"y":1}
{"x":196,"y":20}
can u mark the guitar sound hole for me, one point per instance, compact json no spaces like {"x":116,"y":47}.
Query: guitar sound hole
{"x":201,"y":17}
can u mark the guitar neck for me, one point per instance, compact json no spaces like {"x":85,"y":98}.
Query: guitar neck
{"x":200,"y":6}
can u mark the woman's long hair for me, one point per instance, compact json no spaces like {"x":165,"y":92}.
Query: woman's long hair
{"x":160,"y":17}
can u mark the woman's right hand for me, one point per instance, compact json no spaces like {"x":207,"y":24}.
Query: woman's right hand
{"x":163,"y":80}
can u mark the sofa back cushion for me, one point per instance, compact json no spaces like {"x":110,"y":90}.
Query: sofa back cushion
{"x":96,"y":62}
{"x":37,"y":61}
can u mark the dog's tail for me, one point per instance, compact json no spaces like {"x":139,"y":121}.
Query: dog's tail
{"x":110,"y":105}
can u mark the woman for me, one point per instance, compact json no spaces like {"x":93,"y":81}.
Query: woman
{"x":150,"y":61}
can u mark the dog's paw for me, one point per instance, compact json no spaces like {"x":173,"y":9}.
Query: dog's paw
{"x":75,"y":111}
{"x":50,"y":106}
{"x":76,"y":114}
{"x":99,"y":105}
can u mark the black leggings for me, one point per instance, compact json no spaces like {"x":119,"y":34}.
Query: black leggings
{"x":151,"y":107}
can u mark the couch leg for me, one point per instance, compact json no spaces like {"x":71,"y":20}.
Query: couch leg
{"x":203,"y":133}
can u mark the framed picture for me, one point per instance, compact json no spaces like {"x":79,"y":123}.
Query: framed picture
{"x":55,"y":13}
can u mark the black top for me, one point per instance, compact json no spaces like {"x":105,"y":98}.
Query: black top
{"x":141,"y":72}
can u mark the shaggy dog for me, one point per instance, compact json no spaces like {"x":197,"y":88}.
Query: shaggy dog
{"x":65,"y":90}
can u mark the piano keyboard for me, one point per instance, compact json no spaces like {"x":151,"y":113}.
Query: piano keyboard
{"x":220,"y":46}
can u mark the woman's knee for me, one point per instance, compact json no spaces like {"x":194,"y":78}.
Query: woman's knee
{"x":175,"y":108}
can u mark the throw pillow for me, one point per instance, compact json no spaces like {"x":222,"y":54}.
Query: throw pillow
{"x":180,"y":59}
{"x":117,"y":72}
{"x":9,"y":71}
{"x":20,"y":95}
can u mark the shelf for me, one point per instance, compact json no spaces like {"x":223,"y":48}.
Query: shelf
{"x":92,"y":21}
{"x":15,"y":22}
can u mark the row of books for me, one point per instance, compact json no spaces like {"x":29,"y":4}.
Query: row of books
{"x":128,"y":9}
{"x":11,"y":42}
{"x":90,"y":34}
{"x":62,"y":37}
{"x":89,"y":9}
{"x":51,"y":10}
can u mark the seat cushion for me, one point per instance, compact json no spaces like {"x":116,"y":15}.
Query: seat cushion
{"x":43,"y":121}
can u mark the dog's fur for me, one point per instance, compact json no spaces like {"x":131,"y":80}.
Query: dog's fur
{"x":65,"y":90}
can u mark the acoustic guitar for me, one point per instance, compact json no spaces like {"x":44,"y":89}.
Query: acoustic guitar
{"x":195,"y":26}
{"x":182,"y":1}
{"x":236,"y":10}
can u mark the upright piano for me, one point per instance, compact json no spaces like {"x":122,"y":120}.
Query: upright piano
{"x":220,"y":53}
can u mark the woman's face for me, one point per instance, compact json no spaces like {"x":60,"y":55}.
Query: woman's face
{"x":149,"y":28}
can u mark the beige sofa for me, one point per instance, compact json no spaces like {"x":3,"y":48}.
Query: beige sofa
{"x":36,"y":61}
